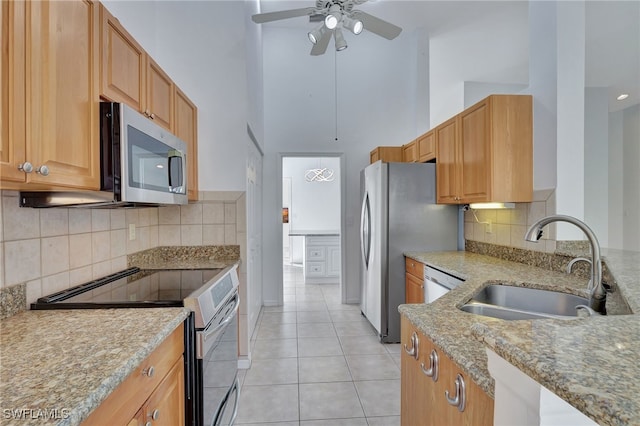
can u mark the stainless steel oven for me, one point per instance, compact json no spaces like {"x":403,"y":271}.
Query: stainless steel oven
{"x":211,"y":332}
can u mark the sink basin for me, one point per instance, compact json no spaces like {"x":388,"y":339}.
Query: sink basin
{"x":513,"y":303}
{"x":498,"y":312}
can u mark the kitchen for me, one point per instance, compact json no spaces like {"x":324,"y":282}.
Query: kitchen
{"x":224,"y":169}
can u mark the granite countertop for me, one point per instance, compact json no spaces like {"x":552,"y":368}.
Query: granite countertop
{"x":63,"y":364}
{"x":566,"y":357}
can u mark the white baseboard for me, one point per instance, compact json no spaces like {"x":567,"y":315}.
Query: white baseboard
{"x":244,"y":362}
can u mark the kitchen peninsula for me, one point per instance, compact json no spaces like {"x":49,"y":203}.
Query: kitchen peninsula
{"x":585,"y":361}
{"x":320,"y":256}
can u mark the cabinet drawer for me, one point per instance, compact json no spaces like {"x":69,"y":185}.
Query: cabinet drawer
{"x":415,"y":268}
{"x":123,"y":403}
{"x":315,"y":269}
{"x":315,"y":253}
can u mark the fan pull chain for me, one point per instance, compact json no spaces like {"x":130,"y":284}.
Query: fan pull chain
{"x":335,"y":67}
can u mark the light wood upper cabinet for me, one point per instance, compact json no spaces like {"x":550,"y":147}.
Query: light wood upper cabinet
{"x":426,"y":145}
{"x":485,"y":153}
{"x":160,"y":96}
{"x":446,"y":136}
{"x":186,"y":125}
{"x":13,"y":93}
{"x":423,"y":400}
{"x":60,"y":114}
{"x":388,"y":154}
{"x":410,"y":152}
{"x":130,"y":75}
{"x":122,"y":64}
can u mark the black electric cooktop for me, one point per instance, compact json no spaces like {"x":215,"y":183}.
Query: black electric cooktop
{"x":132,"y":287}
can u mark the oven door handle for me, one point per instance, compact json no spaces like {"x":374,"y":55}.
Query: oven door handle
{"x":208,"y":333}
{"x":217,"y":418}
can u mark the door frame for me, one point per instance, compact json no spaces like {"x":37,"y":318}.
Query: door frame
{"x":343,"y":214}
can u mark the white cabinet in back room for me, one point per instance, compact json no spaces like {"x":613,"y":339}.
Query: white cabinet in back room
{"x":321,"y":259}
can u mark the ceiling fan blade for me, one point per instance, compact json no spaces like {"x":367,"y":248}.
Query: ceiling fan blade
{"x":261,"y":18}
{"x":321,"y":46}
{"x":377,"y":26}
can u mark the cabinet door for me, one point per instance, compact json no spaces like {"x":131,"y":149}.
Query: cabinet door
{"x":333,"y":261}
{"x":374,"y":155}
{"x":475,"y":153}
{"x":426,"y":145}
{"x":122,"y":63}
{"x":12,"y":95}
{"x":165,"y":406}
{"x":478,"y":409}
{"x":138,"y":420}
{"x":409,"y":153}
{"x":417,"y":389}
{"x":63,"y":93}
{"x":186,"y":128}
{"x":160,"y":96}
{"x":447,"y":165}
{"x":414,"y":289}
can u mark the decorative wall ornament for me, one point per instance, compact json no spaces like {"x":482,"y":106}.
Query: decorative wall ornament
{"x":319,"y":175}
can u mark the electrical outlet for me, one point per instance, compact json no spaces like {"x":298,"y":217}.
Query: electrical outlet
{"x":132,"y":231}
{"x":489,"y":227}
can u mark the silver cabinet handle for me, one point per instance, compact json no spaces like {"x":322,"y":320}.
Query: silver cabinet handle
{"x":460,"y":398}
{"x":148,"y":371}
{"x":147,"y":424}
{"x":152,"y":116}
{"x":26,"y":167}
{"x":155,"y":415}
{"x":43,"y":170}
{"x":413,"y":351}
{"x":433,"y":366}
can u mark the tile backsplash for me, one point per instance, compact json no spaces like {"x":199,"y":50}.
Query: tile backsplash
{"x":49,"y":250}
{"x":506,"y":227}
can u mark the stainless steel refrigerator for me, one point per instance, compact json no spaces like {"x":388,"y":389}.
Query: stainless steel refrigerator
{"x":399,"y":214}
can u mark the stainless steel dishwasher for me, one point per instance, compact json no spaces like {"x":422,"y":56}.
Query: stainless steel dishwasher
{"x":437,"y":283}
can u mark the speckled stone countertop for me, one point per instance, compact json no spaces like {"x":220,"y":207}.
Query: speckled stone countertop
{"x":567,"y":357}
{"x":66,"y":363}
{"x":187,"y":257}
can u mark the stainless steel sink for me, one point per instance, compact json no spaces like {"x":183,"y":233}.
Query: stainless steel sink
{"x":513,"y":303}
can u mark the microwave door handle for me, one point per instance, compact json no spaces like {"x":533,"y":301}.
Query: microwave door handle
{"x":177,"y":187}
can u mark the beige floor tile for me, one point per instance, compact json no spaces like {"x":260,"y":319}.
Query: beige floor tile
{"x":329,"y":401}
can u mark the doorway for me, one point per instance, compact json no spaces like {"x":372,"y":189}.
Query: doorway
{"x":312,"y":220}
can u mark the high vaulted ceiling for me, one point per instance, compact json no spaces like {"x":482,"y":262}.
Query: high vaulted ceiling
{"x":612,"y":34}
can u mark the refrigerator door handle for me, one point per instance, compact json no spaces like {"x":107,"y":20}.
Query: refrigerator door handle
{"x":365,"y":230}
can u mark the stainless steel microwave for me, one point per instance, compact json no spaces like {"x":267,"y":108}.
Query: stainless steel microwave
{"x":141,"y":164}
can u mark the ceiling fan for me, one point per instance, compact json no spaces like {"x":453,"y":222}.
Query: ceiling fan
{"x":335,"y":15}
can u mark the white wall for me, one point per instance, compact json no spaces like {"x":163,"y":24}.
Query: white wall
{"x":475,"y":91}
{"x":462,"y":55}
{"x":596,"y":162}
{"x":315,"y":206}
{"x":631,"y":178}
{"x":381,"y":79}
{"x":570,"y":115}
{"x":615,"y":188}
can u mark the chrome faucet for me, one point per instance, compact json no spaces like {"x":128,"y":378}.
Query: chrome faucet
{"x":597,"y":292}
{"x":574,"y":261}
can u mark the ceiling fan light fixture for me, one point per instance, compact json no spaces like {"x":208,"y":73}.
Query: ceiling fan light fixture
{"x":341,"y":43}
{"x":316,"y":34}
{"x":353,"y":25}
{"x":331,"y":21}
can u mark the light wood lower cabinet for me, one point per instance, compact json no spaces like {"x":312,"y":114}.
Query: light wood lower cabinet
{"x":153,"y":392}
{"x":423,"y":399}
{"x":414,"y":281}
